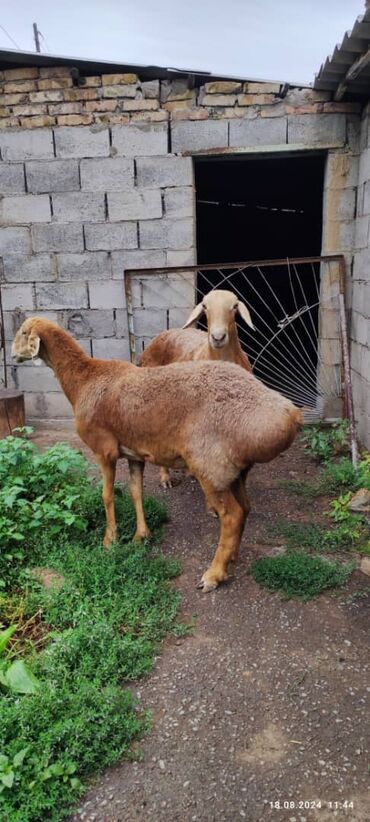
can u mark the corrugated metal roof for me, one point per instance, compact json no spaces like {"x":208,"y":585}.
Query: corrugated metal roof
{"x":347,"y":71}
{"x":12,"y":58}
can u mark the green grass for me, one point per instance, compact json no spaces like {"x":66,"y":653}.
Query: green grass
{"x":298,"y":575}
{"x":313,"y":537}
{"x":104,"y":625}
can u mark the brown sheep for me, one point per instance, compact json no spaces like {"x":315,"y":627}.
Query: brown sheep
{"x":213,"y":418}
{"x":219,"y":343}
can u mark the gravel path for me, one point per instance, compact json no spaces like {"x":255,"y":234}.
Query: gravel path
{"x":266,"y":703}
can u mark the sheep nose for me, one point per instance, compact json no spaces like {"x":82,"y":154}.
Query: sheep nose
{"x":218,"y":336}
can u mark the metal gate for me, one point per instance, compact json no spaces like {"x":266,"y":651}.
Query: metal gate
{"x":299,"y":341}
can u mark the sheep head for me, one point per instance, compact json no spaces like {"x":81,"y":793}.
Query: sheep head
{"x":220,"y":308}
{"x":26,"y":344}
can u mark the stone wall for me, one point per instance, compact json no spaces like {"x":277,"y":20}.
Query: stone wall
{"x":96,"y":176}
{"x":360,"y":316}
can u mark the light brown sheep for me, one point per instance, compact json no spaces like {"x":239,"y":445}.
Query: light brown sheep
{"x":213,"y":418}
{"x":220,"y":342}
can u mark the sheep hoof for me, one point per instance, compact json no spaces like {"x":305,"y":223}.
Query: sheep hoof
{"x":207,"y":585}
{"x":139,"y":536}
{"x":166,"y":483}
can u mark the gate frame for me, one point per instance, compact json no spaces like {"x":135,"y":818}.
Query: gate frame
{"x":348,"y":406}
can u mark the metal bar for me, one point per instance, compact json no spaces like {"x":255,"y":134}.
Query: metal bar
{"x":244,"y":264}
{"x":348,"y":382}
{"x":2,"y":340}
{"x":130,"y":317}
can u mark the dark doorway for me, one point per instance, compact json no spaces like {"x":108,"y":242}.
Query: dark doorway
{"x":261,"y":208}
{"x":266,"y":208}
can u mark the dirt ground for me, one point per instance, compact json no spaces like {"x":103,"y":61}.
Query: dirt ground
{"x":263,"y":712}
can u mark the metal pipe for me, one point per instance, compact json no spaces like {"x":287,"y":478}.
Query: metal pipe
{"x":348,"y":382}
{"x":2,"y":339}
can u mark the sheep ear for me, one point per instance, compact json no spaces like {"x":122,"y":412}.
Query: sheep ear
{"x":243,"y":311}
{"x":195,"y":314}
{"x":34,"y":344}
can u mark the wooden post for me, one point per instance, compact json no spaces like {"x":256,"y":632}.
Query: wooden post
{"x":12,"y":413}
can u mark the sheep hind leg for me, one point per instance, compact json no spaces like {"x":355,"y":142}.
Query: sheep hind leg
{"x":136,"y":470}
{"x":232,"y":511}
{"x":108,"y":469}
{"x":164,"y":477}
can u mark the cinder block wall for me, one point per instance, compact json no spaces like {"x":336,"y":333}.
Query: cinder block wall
{"x":98,"y":177}
{"x":360,"y":317}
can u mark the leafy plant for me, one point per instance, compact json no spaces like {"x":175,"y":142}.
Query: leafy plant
{"x":15,"y":676}
{"x":324,"y":443}
{"x":10,"y":769}
{"x":103,"y":626}
{"x":299,"y":575}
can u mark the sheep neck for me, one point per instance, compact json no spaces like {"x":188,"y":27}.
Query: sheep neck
{"x":68,"y":361}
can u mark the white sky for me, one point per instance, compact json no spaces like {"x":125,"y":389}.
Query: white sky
{"x":267,"y":39}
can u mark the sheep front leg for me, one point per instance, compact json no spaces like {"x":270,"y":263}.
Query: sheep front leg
{"x":136,"y":490}
{"x":108,"y":468}
{"x":232,"y":508}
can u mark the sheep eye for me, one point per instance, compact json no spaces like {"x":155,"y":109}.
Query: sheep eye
{"x":204,"y":306}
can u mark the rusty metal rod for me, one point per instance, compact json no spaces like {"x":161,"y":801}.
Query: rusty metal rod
{"x":335,"y":258}
{"x":2,"y":339}
{"x":347,"y":379}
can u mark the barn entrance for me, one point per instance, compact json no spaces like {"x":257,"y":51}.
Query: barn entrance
{"x":258,"y":208}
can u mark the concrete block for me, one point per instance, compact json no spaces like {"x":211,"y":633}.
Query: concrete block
{"x":54,"y":237}
{"x":112,"y":349}
{"x":149,"y":321}
{"x":85,"y":266}
{"x":140,"y":140}
{"x":110,"y":174}
{"x":179,"y":202}
{"x":74,"y":207}
{"x":359,"y":328}
{"x":29,"y":208}
{"x":366,"y":200}
{"x":56,"y":405}
{"x":61,"y":295}
{"x":110,"y":237}
{"x":150,"y":89}
{"x":361,"y":232}
{"x":258,"y":132}
{"x":134,"y":205}
{"x":121,"y":324}
{"x":364,"y":166}
{"x":180,"y":258}
{"x":167,"y":233}
{"x":339,"y":204}
{"x":176,"y":291}
{"x":136,"y":259}
{"x":161,"y":172}
{"x":81,"y":142}
{"x":35,"y":378}
{"x":58,"y":175}
{"x":15,"y":240}
{"x":107,"y":294}
{"x":199,"y":135}
{"x":90,"y":324}
{"x":29,"y":268}
{"x":26,"y":145}
{"x":177,"y":316}
{"x":341,"y":170}
{"x":360,"y":200}
{"x":17,"y":296}
{"x":317,"y":129}
{"x":12,"y":178}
